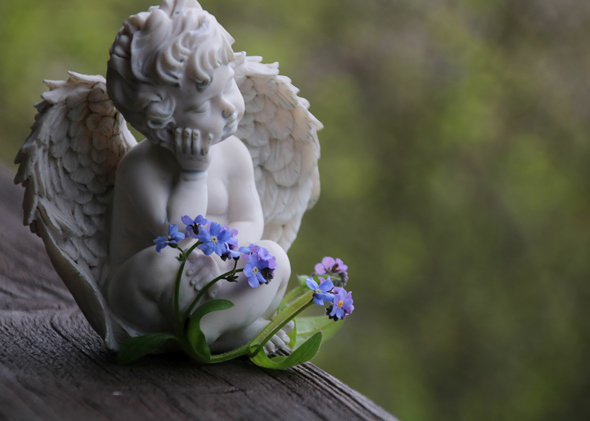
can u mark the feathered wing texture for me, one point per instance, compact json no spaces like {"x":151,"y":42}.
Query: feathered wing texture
{"x":67,"y":166}
{"x":281,"y":135}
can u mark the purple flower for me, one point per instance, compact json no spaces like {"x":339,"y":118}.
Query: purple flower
{"x":260,"y":267}
{"x":192,"y":225}
{"x":171,"y":240}
{"x":321,"y":292}
{"x":341,"y":306}
{"x":251,"y":249}
{"x":231,"y":245}
{"x":214,"y":238}
{"x":336,"y":267}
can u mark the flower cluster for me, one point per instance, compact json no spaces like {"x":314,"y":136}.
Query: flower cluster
{"x":221,"y":240}
{"x":261,"y":265}
{"x":341,"y":306}
{"x":259,"y":268}
{"x":333,"y":267}
{"x":325,"y":292}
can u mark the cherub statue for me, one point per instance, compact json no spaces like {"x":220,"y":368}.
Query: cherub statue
{"x":226,"y":137}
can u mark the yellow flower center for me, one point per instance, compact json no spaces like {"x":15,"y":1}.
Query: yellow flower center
{"x":213,"y":239}
{"x":340,"y":303}
{"x":318,"y":291}
{"x":255,"y":270}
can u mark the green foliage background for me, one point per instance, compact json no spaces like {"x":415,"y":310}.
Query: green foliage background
{"x":454,"y":181}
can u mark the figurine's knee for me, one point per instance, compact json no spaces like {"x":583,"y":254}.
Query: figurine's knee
{"x":281,"y":275}
{"x":139,"y":292}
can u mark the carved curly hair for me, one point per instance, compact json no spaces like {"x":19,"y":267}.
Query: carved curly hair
{"x":155,"y":50}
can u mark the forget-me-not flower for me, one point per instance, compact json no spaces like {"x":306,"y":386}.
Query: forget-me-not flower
{"x":260,"y":267}
{"x":171,"y":240}
{"x":192,"y":225}
{"x":342,"y":305}
{"x":214,"y":238}
{"x":321,"y":292}
{"x":330,"y":266}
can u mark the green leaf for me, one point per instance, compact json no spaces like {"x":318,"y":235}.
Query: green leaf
{"x":308,"y":326}
{"x":293,"y":335}
{"x":195,"y":335}
{"x":302,"y":354}
{"x":135,"y":348}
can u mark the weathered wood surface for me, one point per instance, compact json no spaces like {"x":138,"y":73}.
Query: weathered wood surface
{"x":53,"y":366}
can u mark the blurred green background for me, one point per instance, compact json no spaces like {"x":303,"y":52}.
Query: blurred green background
{"x":455,"y":181}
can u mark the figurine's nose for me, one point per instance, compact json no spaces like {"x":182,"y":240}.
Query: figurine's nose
{"x":228,"y":109}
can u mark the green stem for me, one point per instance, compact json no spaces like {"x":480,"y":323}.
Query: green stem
{"x":226,"y":356}
{"x":243,"y":350}
{"x":281,"y":320}
{"x":268,"y":332}
{"x":179,"y":319}
{"x":279,"y":327}
{"x":289,"y":297}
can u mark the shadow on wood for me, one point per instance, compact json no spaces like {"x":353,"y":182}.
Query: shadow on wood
{"x":53,"y":366}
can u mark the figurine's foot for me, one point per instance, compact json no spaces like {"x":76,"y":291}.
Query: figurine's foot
{"x":280,"y":340}
{"x":241,"y":337}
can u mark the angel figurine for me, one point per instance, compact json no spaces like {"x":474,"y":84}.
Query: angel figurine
{"x":226,"y":137}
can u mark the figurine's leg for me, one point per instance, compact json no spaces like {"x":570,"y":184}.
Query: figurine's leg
{"x":141,"y":290}
{"x":253,"y":308}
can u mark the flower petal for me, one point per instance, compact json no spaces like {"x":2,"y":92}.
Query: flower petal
{"x":328,"y":262}
{"x":327,"y":285}
{"x":215,"y":228}
{"x":320,"y":269}
{"x":311,"y":284}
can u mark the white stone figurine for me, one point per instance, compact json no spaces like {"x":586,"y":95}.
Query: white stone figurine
{"x":227,"y":137}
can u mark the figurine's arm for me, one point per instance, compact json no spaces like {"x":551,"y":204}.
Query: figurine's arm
{"x":189,"y":193}
{"x":245,"y":212}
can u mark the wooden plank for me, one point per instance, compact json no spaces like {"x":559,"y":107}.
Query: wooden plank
{"x":53,"y":366}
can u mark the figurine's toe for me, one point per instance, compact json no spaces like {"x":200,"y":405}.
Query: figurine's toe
{"x":269,"y":347}
{"x":279,"y":343}
{"x":283,"y":337}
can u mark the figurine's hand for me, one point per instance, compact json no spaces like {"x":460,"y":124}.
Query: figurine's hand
{"x":202,"y":270}
{"x":192,"y":149}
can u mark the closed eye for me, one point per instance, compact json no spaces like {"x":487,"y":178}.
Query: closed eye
{"x":203,"y":108}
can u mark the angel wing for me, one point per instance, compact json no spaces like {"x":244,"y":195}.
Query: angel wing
{"x":281,"y":135}
{"x":67,"y":166}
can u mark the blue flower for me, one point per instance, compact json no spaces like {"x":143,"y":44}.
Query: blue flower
{"x":192,"y":225}
{"x":213,"y":237}
{"x":330,"y":266}
{"x":251,"y":249}
{"x":321,"y":292}
{"x":171,"y":240}
{"x":232,"y":250}
{"x":260,"y":267}
{"x":341,"y":306}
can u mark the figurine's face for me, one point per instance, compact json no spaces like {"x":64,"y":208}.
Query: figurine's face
{"x":215,"y":110}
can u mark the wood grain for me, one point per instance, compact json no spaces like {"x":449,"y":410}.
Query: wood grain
{"x":53,"y":366}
